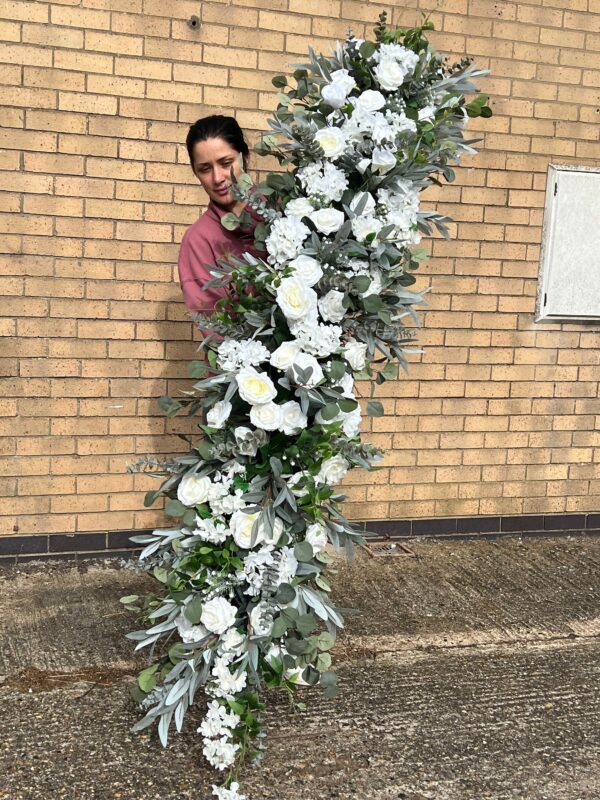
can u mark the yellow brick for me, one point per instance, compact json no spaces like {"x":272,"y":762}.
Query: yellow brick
{"x":143,"y":68}
{"x":87,"y":145}
{"x":83,"y":61}
{"x":29,"y":97}
{"x":133,"y":23}
{"x":87,"y":228}
{"x":50,"y":35}
{"x":87,"y":103}
{"x":10,"y":32}
{"x":174,"y":50}
{"x":233,"y":57}
{"x":200,"y":75}
{"x":114,"y":43}
{"x":115,"y":85}
{"x":52,"y":163}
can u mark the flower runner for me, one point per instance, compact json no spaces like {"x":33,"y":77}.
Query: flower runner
{"x":244,"y":586}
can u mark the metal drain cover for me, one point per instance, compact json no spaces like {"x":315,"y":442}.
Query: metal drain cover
{"x":383,"y":549}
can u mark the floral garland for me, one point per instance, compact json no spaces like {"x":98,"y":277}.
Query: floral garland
{"x":244,"y":601}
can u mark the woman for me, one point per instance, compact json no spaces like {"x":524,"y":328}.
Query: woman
{"x":214,"y":145}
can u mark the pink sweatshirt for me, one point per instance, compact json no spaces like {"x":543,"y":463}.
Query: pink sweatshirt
{"x":202,"y":244}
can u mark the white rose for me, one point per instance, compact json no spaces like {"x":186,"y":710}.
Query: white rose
{"x":267,"y":416}
{"x":351,"y":423}
{"x":327,"y":220}
{"x":188,"y":632}
{"x":304,"y":361}
{"x":390,"y":74}
{"x":193,"y":490}
{"x":369,"y":207}
{"x":363,"y":226}
{"x":261,"y":619}
{"x":299,"y":207}
{"x":342,"y":78}
{"x":218,"y":615}
{"x":241,"y":529}
{"x":295,"y":298}
{"x":363,"y":165}
{"x":332,"y":140}
{"x":383,"y":160}
{"x":331,"y":306}
{"x":369,"y":101}
{"x":355,"y":354}
{"x":255,"y":387}
{"x":332,"y":470}
{"x":283,"y":356}
{"x":316,"y":536}
{"x":307,"y":269}
{"x":218,"y":414}
{"x":293,"y":418}
{"x":334,"y":94}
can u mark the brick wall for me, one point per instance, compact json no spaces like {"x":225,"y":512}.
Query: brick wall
{"x":497,"y":417}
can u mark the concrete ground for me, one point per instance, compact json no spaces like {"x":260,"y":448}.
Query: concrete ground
{"x":469,"y":672}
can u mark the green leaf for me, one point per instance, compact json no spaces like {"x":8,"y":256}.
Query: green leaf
{"x":322,"y":583}
{"x":175,"y":508}
{"x":147,"y":679}
{"x":193,"y":611}
{"x":330,"y":411}
{"x":149,"y":498}
{"x":328,"y":679}
{"x":197,"y":369}
{"x":131,"y":598}
{"x":323,"y":662}
{"x":280,"y":626}
{"x":279,"y":81}
{"x":337,"y":370}
{"x":189,"y":518}
{"x":230,"y":221}
{"x":374,"y":408}
{"x":160,"y":574}
{"x":285,"y":594}
{"x":325,"y":641}
{"x":306,"y":623}
{"x":297,"y":647}
{"x":367,"y":49}
{"x":347,"y":404}
{"x":303,"y":551}
{"x":361,"y":283}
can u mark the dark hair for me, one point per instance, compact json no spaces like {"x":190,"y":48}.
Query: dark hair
{"x":217,"y":126}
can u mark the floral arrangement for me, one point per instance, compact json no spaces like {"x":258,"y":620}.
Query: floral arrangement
{"x":244,"y":572}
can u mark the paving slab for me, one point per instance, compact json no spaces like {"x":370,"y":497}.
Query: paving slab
{"x":470,"y":672}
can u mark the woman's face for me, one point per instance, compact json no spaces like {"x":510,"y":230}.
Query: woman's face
{"x":213,"y":160}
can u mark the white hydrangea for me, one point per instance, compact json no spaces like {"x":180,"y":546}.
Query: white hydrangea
{"x":285,"y":239}
{"x":288,"y":565}
{"x":188,"y":632}
{"x":226,"y":683}
{"x":323,"y":182}
{"x":211,"y":530}
{"x":220,"y":753}
{"x":255,"y":565}
{"x":318,"y":339}
{"x":231,"y":354}
{"x":218,"y":721}
{"x":363,"y":226}
{"x":221,"y":793}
